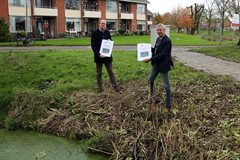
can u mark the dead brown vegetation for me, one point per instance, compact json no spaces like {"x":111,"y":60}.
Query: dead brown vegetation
{"x":205,"y":121}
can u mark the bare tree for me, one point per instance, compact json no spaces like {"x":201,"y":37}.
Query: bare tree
{"x":196,"y":14}
{"x":235,"y":8}
{"x":222,"y":7}
{"x":209,"y":13}
{"x":176,"y":16}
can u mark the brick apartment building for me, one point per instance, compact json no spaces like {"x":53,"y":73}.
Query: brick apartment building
{"x":53,"y":17}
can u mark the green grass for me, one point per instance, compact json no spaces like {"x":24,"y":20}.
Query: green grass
{"x":178,"y":39}
{"x":69,"y":70}
{"x":231,"y":53}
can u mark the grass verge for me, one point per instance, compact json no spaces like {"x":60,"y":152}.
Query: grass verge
{"x":178,"y":39}
{"x":230,"y":53}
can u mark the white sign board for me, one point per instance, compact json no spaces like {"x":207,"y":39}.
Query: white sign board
{"x":154,"y":34}
{"x":235,"y":21}
{"x":106,"y":48}
{"x":144,"y":51}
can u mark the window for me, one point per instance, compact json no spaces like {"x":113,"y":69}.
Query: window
{"x":140,"y":8}
{"x":18,"y":23}
{"x":141,"y":25}
{"x":44,"y":3}
{"x":73,"y":24}
{"x":72,"y":4}
{"x":112,"y":25}
{"x":150,"y":18}
{"x":124,"y":7}
{"x":125,"y":25}
{"x":19,"y":3}
{"x":90,"y":5}
{"x":111,"y":6}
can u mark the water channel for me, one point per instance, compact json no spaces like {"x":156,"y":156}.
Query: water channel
{"x":22,"y":145}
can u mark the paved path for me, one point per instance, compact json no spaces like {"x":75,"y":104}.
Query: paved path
{"x":196,"y":60}
{"x":207,"y":63}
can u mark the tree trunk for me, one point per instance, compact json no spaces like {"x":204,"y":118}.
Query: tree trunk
{"x":192,"y":32}
{"x":238,"y":42}
{"x":209,"y":27}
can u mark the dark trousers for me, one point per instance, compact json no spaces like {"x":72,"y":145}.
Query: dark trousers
{"x":110,"y":73}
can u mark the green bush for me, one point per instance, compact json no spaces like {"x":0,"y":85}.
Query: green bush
{"x":122,"y":31}
{"x":22,"y":33}
{"x":128,"y":34}
{"x":62,"y":35}
{"x":4,"y":31}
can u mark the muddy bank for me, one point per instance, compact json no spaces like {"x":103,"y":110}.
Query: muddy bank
{"x":204,"y":123}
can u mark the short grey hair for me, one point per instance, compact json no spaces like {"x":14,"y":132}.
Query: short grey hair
{"x":161,"y":25}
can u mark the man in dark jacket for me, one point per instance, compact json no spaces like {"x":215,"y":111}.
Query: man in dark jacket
{"x":161,"y":62}
{"x":96,"y":40}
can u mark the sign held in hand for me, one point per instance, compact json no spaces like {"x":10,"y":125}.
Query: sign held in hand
{"x":106,"y":48}
{"x":144,"y":51}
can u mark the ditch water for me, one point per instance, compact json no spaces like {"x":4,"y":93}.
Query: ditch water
{"x":22,"y":145}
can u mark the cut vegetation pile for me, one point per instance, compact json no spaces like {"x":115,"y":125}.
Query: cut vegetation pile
{"x":205,"y":121}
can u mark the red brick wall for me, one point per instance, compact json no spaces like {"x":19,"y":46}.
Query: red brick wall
{"x":32,"y":4}
{"x":102,"y":8}
{"x":118,"y":14}
{"x":146,"y":18}
{"x":61,"y":19}
{"x":134,"y":21}
{"x":82,"y":14}
{"x":4,"y":10}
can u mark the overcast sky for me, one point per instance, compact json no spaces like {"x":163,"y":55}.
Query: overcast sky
{"x":163,"y":6}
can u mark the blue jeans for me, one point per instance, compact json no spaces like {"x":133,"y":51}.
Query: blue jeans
{"x":164,"y":76}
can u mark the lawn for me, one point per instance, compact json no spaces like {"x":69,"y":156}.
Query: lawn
{"x":69,"y":70}
{"x":178,"y":39}
{"x":54,"y":92}
{"x":231,"y":53}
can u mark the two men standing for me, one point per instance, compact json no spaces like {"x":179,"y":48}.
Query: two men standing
{"x":161,"y":59}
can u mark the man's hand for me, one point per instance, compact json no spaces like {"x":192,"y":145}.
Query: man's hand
{"x":147,"y":60}
{"x":102,"y":56}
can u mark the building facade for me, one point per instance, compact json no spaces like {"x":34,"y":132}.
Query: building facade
{"x":80,"y":17}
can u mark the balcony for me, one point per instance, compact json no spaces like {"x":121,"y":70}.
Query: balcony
{"x":92,"y":14}
{"x":45,"y":8}
{"x":19,"y":11}
{"x":52,"y":12}
{"x":73,"y":13}
{"x":111,"y":15}
{"x":126,"y":16}
{"x":141,"y":17}
{"x":149,"y":22}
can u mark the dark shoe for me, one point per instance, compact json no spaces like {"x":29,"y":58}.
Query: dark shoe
{"x":157,"y":100}
{"x":100,"y":90}
{"x":118,"y":89}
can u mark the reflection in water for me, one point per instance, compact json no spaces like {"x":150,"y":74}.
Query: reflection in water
{"x":21,"y":145}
